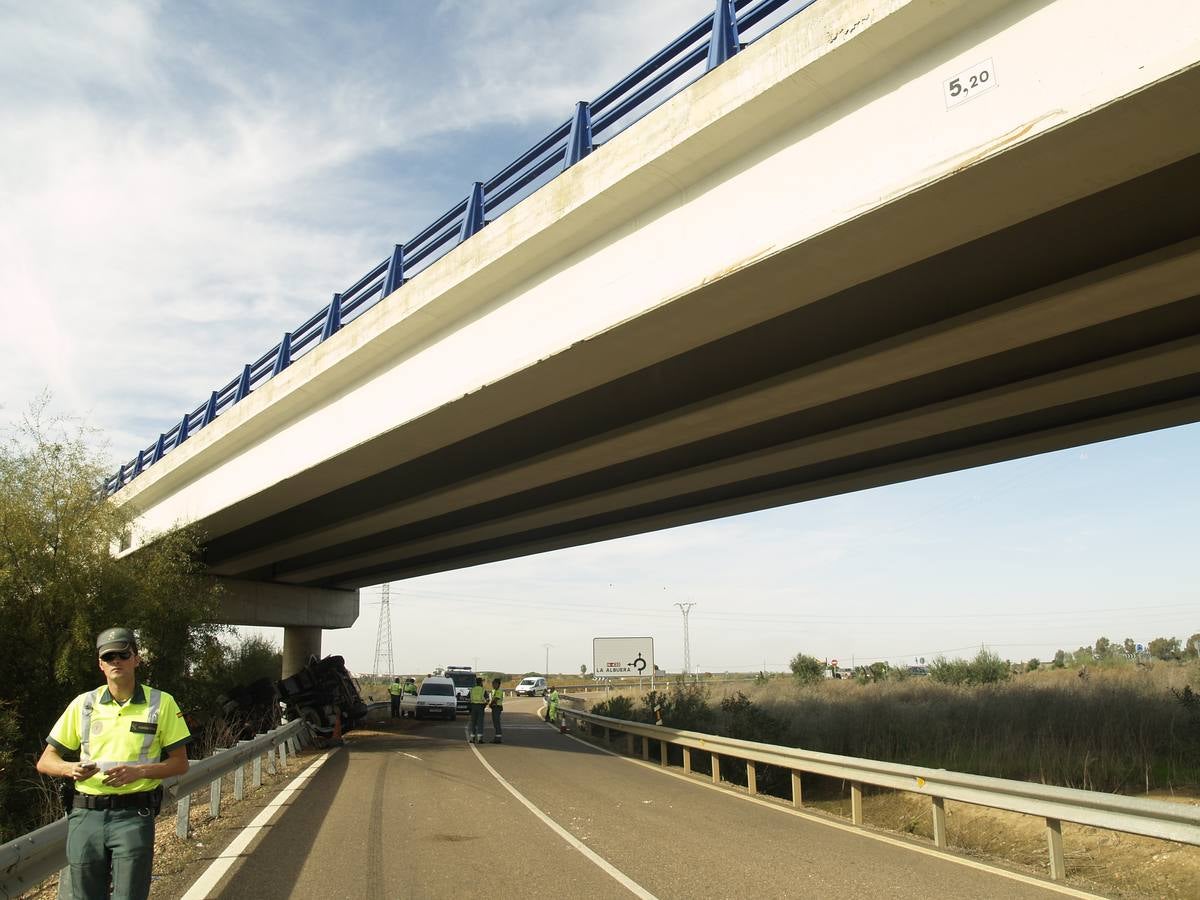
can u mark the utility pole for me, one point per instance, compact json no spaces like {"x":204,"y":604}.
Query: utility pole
{"x":547,"y":646}
{"x":383,"y":638}
{"x":686,"y":608}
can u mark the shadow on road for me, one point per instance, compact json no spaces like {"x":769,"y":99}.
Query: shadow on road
{"x":275,"y":864}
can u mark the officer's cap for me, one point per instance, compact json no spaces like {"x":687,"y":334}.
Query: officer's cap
{"x":115,"y":639}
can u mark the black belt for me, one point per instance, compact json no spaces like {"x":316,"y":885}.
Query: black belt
{"x":139,"y":800}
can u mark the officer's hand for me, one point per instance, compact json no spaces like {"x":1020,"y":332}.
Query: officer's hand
{"x":81,"y":770}
{"x":122,"y":775}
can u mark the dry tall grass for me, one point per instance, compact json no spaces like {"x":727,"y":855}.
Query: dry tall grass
{"x":1118,"y":729}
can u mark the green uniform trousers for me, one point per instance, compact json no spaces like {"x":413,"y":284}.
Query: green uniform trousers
{"x":104,"y":843}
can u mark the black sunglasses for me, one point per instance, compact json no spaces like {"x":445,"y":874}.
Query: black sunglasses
{"x":116,"y":654}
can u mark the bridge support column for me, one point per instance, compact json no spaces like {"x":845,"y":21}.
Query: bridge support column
{"x":299,"y":643}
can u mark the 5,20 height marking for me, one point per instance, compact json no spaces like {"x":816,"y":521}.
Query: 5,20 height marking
{"x":969,"y":83}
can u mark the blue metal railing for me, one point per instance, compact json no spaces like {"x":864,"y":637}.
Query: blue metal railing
{"x":733,"y":25}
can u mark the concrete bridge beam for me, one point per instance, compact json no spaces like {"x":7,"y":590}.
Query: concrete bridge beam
{"x":268,"y":603}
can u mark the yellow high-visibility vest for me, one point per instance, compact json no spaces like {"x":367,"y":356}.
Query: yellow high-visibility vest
{"x":477,"y":694}
{"x":498,"y":697}
{"x":139,"y":731}
{"x":395,"y":689}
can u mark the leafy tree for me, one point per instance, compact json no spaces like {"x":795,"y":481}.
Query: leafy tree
{"x":60,"y":585}
{"x":1192,"y":647}
{"x":807,"y":669}
{"x":1103,"y":648}
{"x":1165,"y":648}
{"x":1060,"y":659}
{"x":1130,"y":646}
{"x":1033,"y":665}
{"x":583,"y":670}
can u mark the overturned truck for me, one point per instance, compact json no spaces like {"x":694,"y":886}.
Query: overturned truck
{"x":323,"y":693}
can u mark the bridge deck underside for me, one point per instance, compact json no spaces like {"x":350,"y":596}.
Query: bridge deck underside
{"x":1077,"y":325}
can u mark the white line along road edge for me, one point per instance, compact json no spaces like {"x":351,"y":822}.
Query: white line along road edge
{"x":226,"y":858}
{"x":608,"y":868}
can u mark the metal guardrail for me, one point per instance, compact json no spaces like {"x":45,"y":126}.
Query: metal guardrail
{"x":1149,"y":818}
{"x":663,"y":682}
{"x":30,"y":859}
{"x":733,"y":25}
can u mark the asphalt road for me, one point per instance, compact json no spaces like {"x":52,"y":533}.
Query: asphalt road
{"x":409,"y":810}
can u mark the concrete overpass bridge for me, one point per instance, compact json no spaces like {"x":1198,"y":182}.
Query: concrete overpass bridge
{"x":885,"y":239}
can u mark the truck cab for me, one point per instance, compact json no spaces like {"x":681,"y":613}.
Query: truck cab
{"x":464,"y":679}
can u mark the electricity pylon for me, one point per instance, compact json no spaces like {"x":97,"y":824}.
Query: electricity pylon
{"x":686,"y":608}
{"x":383,"y":640}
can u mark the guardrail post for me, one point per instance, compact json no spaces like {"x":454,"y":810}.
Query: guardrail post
{"x":663,"y":748}
{"x":283,"y":755}
{"x":797,"y":790}
{"x":271,"y":761}
{"x":628,"y":743}
{"x":239,"y":780}
{"x":751,"y":777}
{"x":1054,"y":843}
{"x":214,"y":798}
{"x":687,"y":761}
{"x":856,"y":815}
{"x":182,"y":807}
{"x":716,"y":769}
{"x":645,"y":748}
{"x":256,"y":771}
{"x":939,"y":822}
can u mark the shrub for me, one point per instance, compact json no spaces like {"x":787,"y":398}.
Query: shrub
{"x":619,"y":707}
{"x":985,"y":668}
{"x":807,"y":669}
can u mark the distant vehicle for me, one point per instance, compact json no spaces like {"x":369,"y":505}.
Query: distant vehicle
{"x":435,"y":697}
{"x":532,"y":687}
{"x":464,"y":679}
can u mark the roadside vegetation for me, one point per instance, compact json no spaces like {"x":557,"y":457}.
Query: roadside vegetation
{"x":1126,"y":726}
{"x":60,"y":584}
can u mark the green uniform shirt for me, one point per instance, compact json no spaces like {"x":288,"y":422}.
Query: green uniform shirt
{"x":552,"y":700}
{"x":498,"y":697}
{"x":410,"y":688}
{"x":100,"y":729}
{"x":395,"y":689}
{"x":477,"y":694}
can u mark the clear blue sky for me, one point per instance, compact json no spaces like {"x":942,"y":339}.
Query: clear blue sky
{"x":182,"y":183}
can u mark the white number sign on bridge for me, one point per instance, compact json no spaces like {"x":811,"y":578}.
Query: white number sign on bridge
{"x":623,"y":656}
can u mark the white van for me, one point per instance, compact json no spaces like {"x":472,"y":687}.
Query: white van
{"x":435,"y":698}
{"x":532,"y":687}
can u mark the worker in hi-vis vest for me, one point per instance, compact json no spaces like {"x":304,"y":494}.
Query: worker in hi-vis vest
{"x":476,"y":701}
{"x":552,"y":705}
{"x":497,"y":705}
{"x":395,"y":689}
{"x":128,"y":737}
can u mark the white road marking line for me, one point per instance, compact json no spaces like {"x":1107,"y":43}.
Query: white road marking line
{"x":410,"y":756}
{"x":608,"y":868}
{"x":205,"y":884}
{"x":851,"y":829}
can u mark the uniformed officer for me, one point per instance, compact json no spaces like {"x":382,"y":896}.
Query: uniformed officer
{"x":497,"y":705}
{"x":410,"y":685}
{"x":395,"y":689}
{"x":476,"y":701}
{"x":552,"y":706}
{"x":129,"y":736}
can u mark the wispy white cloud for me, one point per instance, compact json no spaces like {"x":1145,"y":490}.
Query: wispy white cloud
{"x":182,"y":184}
